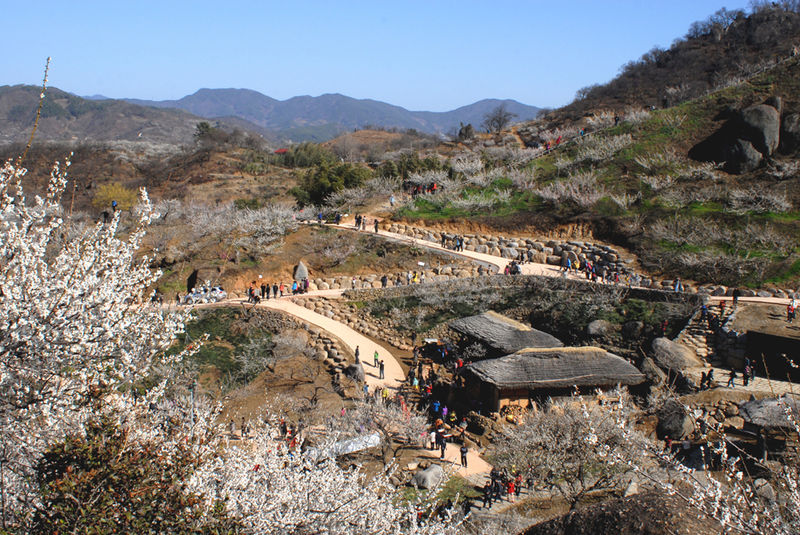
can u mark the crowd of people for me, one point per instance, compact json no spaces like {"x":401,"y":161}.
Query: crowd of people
{"x":256,"y":292}
{"x":420,"y":189}
{"x":454,"y":242}
{"x":502,"y":484}
{"x":361,"y":222}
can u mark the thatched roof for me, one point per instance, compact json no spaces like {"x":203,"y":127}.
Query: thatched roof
{"x":503,"y":334}
{"x":770,"y":413}
{"x":562,"y":367}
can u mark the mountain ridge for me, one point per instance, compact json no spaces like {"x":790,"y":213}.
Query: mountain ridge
{"x":330,"y":110}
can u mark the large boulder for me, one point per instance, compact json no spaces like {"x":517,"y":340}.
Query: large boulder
{"x":632,"y":330}
{"x":355,"y":372}
{"x":428,"y":478}
{"x":762,"y":127}
{"x":673,"y":421}
{"x":673,"y":356}
{"x":539,"y":258}
{"x":653,"y":372}
{"x":790,"y":133}
{"x":742,"y":157}
{"x":599,"y":328}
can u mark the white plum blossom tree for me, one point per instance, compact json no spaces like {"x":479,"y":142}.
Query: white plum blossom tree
{"x":274,"y":489}
{"x":74,"y":323}
{"x":78,"y":335}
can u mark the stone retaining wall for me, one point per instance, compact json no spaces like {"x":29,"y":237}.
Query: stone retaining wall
{"x":551,"y":252}
{"x":556,"y":253}
{"x":731,"y":345}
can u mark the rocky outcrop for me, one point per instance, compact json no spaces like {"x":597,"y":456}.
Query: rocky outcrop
{"x":743,"y":157}
{"x":599,"y":329}
{"x":746,"y":139}
{"x":673,"y":421}
{"x":428,"y":478}
{"x":761,"y":125}
{"x":652,"y":372}
{"x":355,"y":372}
{"x":672,"y":356}
{"x":790,"y":133}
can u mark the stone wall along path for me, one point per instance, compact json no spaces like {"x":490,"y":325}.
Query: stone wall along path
{"x":394,"y":375}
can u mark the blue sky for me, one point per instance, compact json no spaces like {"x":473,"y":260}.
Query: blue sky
{"x":435,"y":55}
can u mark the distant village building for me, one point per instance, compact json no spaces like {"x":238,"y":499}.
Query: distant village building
{"x":538,"y":373}
{"x":500,"y":335}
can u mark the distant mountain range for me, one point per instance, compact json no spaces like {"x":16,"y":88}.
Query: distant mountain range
{"x":298,"y":118}
{"x":67,"y":117}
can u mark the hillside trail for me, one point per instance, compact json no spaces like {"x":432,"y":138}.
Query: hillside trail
{"x":528,"y":268}
{"x":496,"y":262}
{"x":477,"y":467}
{"x":476,"y":470}
{"x":393,"y":372}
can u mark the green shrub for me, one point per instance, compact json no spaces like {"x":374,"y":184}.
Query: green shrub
{"x":325,"y":179}
{"x":105,"y":483}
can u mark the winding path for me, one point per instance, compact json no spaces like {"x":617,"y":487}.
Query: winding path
{"x":394,"y":375}
{"x":528,"y":268}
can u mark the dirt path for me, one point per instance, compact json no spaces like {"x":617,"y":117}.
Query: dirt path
{"x":475,"y":463}
{"x":394,"y":375}
{"x":528,"y":268}
{"x":498,"y":263}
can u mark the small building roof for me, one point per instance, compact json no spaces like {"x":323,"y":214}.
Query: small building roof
{"x":503,"y":334}
{"x":558,"y":367}
{"x":771,"y":412}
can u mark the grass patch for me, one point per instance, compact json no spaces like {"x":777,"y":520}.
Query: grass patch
{"x":223,"y":341}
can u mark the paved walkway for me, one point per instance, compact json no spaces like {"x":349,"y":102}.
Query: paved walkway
{"x":393,"y":373}
{"x":528,"y":268}
{"x":476,"y":466}
{"x":498,"y":263}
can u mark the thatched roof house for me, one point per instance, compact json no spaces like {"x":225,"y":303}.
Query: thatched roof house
{"x":539,"y":372}
{"x":501,"y":335}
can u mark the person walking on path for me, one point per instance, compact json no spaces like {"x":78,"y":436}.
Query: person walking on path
{"x":463,"y":455}
{"x":376,"y":358}
{"x":381,"y":372}
{"x":376,"y":225}
{"x":358,"y":352}
{"x":732,"y":379}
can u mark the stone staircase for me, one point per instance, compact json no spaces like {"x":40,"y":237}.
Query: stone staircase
{"x":698,"y":337}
